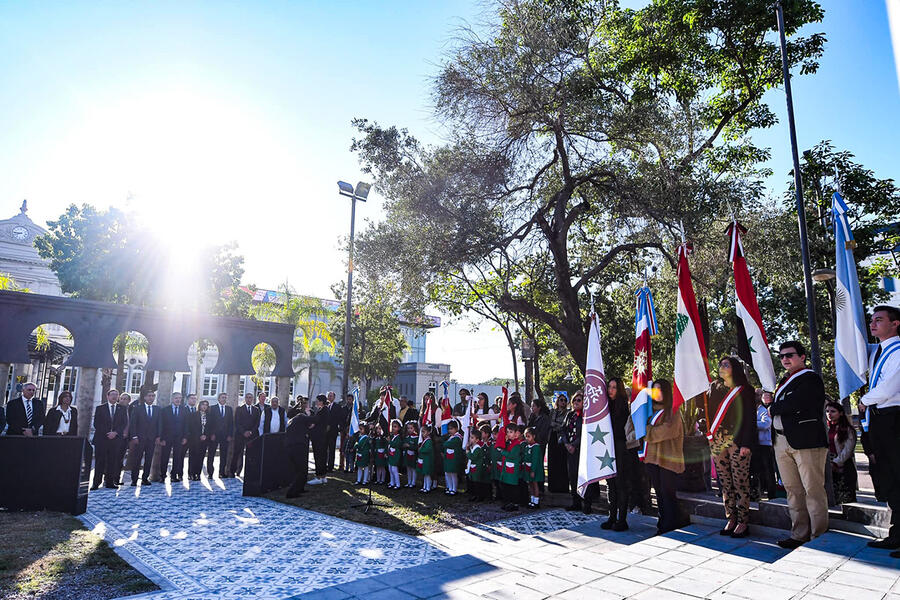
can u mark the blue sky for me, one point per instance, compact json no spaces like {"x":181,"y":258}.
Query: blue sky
{"x":231,"y":121}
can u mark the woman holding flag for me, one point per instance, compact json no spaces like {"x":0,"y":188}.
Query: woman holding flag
{"x":665,"y":454}
{"x":732,"y":437}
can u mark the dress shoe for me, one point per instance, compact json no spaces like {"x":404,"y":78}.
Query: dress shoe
{"x":145,"y":482}
{"x":111,"y":486}
{"x":741,"y":534}
{"x":607,"y":524}
{"x":887,"y":543}
{"x":620,"y":526}
{"x":95,"y":488}
{"x":134,"y":484}
{"x":586,"y":509}
{"x":790,"y":543}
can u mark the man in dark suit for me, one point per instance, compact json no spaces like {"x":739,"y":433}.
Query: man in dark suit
{"x":296,"y":442}
{"x":318,"y":436}
{"x":337,"y":416}
{"x":221,"y":434}
{"x":145,"y":428}
{"x":25,"y":414}
{"x":173,"y":438}
{"x":246,"y":427}
{"x":801,"y":444}
{"x":273,"y":419}
{"x":110,"y":423}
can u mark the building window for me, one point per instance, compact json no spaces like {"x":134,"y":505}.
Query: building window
{"x":242,"y":387}
{"x":69,"y":379}
{"x":210,"y":385}
{"x":135,"y":380}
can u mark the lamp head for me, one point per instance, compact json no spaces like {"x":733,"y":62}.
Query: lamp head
{"x":345,"y":188}
{"x":362,"y":191}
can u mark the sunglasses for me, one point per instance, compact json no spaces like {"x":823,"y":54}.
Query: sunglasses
{"x":787,"y":355}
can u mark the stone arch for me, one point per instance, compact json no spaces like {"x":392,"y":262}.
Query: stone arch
{"x":49,"y":347}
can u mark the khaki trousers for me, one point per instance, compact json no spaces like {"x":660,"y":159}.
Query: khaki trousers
{"x":803,"y":475}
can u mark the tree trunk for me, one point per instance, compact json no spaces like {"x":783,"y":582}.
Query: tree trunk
{"x":537,"y":371}
{"x":120,"y":362}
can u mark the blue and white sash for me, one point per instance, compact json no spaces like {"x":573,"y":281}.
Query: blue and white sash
{"x":876,"y":375}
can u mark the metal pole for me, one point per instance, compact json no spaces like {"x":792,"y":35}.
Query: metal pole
{"x":346,"y":366}
{"x":798,"y":192}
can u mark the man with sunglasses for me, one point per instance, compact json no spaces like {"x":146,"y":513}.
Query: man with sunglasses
{"x":882,"y":421}
{"x":801,"y":444}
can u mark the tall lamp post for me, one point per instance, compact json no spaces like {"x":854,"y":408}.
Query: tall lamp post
{"x":360,"y":193}
{"x":815,"y":359}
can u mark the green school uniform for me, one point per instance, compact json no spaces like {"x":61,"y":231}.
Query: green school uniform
{"x":453,"y":454}
{"x":533,"y":464}
{"x":363,"y":447}
{"x":410,"y":450}
{"x":381,"y":446}
{"x":512,"y":459}
{"x":476,"y":467}
{"x":496,"y":462}
{"x":425,"y":462}
{"x":395,"y":451}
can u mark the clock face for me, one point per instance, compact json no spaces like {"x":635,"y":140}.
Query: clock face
{"x":20,"y":233}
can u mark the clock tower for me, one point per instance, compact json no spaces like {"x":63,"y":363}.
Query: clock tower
{"x":19,"y":258}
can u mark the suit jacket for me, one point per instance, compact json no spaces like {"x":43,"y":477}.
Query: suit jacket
{"x":269,"y":415}
{"x":2,"y":418}
{"x":411,"y":414}
{"x":173,"y":429}
{"x":221,"y":427}
{"x":103,"y":424}
{"x":195,"y":426}
{"x":51,"y":423}
{"x":320,"y":419}
{"x":337,"y":416}
{"x":15,"y":416}
{"x":246,"y":420}
{"x":801,"y":405}
{"x":145,"y":428}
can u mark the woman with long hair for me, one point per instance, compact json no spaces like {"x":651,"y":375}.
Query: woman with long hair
{"x":733,"y":436}
{"x":665,"y":455}
{"x":841,"y":446}
{"x":516,"y":409}
{"x":557,"y":471}
{"x":618,"y":486}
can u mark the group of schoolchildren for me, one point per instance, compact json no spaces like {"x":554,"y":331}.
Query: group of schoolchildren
{"x":507,"y":465}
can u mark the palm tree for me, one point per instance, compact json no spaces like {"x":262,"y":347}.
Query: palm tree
{"x":311,"y":336}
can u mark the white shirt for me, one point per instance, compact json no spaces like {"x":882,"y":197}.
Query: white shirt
{"x":275,"y":426}
{"x":65,"y":421}
{"x":886,"y":392}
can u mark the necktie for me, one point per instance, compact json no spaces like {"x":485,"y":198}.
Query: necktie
{"x":149,"y":411}
{"x":176,"y":412}
{"x":222,"y":410}
{"x":28,"y":413}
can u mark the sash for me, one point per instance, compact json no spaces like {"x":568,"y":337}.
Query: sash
{"x":876,"y":376}
{"x":654,"y":420}
{"x":723,"y":409}
{"x":780,"y":389}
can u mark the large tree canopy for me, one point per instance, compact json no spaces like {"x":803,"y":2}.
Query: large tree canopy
{"x":581,"y":138}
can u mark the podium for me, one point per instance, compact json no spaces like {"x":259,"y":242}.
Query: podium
{"x":266,"y":465}
{"x":45,"y":473}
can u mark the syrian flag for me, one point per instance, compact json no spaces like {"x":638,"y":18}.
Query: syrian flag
{"x":504,"y":417}
{"x":642,"y":371}
{"x":354,"y":413}
{"x":751,"y":334}
{"x":691,"y":369}
{"x":389,"y":402}
{"x":597,"y":452}
{"x":850,"y":348}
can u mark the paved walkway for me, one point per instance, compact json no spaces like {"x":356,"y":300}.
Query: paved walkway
{"x":205,"y":541}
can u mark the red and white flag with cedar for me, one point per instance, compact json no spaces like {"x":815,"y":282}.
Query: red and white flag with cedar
{"x":751,"y":334}
{"x":691,"y":369}
{"x":504,"y":418}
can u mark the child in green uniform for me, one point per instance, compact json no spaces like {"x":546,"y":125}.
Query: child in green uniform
{"x":496,"y":463}
{"x":487,"y":441}
{"x":380,"y":445}
{"x":425,"y":461}
{"x":411,"y":452}
{"x":511,"y":457}
{"x":395,"y":455}
{"x":532,"y":460}
{"x":475,"y":468}
{"x":453,"y":454}
{"x":363,"y":449}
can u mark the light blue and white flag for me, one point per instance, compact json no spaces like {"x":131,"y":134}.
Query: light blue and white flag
{"x":850,"y":348}
{"x":354,"y":413}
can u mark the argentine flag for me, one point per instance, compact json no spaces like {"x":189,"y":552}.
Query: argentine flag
{"x":354,"y":413}
{"x":850,"y":349}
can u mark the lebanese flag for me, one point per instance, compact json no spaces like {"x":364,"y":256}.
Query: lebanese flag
{"x":754,"y":335}
{"x":504,"y":418}
{"x":642,"y":370}
{"x":597,"y":449}
{"x":691,"y":369}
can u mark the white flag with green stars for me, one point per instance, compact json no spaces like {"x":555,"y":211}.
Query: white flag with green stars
{"x":597,"y":452}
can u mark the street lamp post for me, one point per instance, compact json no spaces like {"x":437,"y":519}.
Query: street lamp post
{"x":360,"y":193}
{"x":798,"y":192}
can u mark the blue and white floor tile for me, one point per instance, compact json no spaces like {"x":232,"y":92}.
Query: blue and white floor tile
{"x":203,"y":540}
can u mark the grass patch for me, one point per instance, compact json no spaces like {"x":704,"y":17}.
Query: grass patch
{"x":406,"y":511}
{"x":51,"y":555}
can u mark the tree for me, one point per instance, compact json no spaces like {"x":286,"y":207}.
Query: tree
{"x":377,"y":342}
{"x":580,"y":139}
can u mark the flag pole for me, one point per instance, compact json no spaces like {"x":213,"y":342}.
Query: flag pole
{"x":798,"y":193}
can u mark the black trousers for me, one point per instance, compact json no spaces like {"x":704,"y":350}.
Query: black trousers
{"x":638,"y":481}
{"x":762,"y":470}
{"x":222,"y":445}
{"x":176,"y":450}
{"x":299,"y":457}
{"x":884,"y":435}
{"x":617,"y":489}
{"x":319,"y":455}
{"x":237,"y":458}
{"x":557,"y":469}
{"x":572,"y":465}
{"x":198,"y":450}
{"x":330,"y":447}
{"x":107,"y":460}
{"x":665,"y":482}
{"x":510,"y":493}
{"x":144,"y":451}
